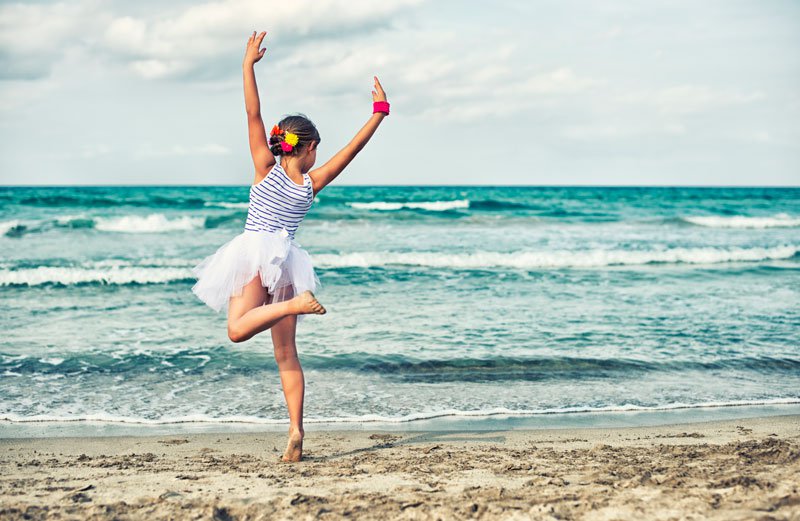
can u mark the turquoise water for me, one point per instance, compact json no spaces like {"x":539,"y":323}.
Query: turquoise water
{"x":442,"y":302}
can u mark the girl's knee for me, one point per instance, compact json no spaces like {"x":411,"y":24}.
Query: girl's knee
{"x":236,"y":334}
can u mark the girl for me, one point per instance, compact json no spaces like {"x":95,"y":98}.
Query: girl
{"x":265,"y":277}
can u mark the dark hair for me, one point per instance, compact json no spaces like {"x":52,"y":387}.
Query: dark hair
{"x":296,"y":124}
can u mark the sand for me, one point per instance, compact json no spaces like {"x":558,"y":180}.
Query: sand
{"x":744,"y":469}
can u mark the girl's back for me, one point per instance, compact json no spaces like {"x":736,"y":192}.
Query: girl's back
{"x":278,"y":203}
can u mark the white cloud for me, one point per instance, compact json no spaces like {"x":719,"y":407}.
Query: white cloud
{"x":594,"y":132}
{"x":627,"y":130}
{"x":508,"y":90}
{"x":16,"y":93}
{"x":87,"y":71}
{"x":154,"y":69}
{"x":652,"y":112}
{"x":684,"y":99}
{"x":441,"y":76}
{"x":611,"y":33}
{"x":674,"y":128}
{"x":762,"y":136}
{"x":34,"y":36}
{"x":186,"y":41}
{"x":210,"y":149}
{"x":91,"y":151}
{"x":175,"y":42}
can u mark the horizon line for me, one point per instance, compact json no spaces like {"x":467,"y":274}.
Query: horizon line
{"x":400,"y":185}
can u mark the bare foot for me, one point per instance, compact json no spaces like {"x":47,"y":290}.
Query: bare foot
{"x":294,"y":447}
{"x":307,"y":303}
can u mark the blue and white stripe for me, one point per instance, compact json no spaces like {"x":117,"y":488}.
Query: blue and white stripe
{"x":278,"y":203}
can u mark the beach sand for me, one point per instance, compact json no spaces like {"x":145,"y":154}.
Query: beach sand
{"x":742,"y":469}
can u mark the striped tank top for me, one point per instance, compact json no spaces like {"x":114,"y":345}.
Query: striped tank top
{"x":278,"y":203}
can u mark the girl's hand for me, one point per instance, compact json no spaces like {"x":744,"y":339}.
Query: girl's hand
{"x":252,"y":54}
{"x":378,"y":94}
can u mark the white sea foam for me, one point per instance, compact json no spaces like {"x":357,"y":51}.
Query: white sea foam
{"x":80,"y":275}
{"x":147,"y":262}
{"x":375,"y":418}
{"x":65,"y":220}
{"x":781,"y":220}
{"x":204,"y":359}
{"x":554,"y":259}
{"x":7,"y":226}
{"x":159,"y":271}
{"x":435,"y":206}
{"x":224,"y":204}
{"x":152,"y":223}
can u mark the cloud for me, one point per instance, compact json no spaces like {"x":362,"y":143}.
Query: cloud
{"x":684,"y":99}
{"x":196,"y":41}
{"x":331,"y":48}
{"x":21,"y":92}
{"x":509,"y":89}
{"x":656,"y":112}
{"x":563,"y":89}
{"x":761,"y":136}
{"x":90,"y":151}
{"x":34,"y":36}
{"x":432,"y":76}
{"x":615,"y":131}
{"x":611,"y":33}
{"x":209,"y":149}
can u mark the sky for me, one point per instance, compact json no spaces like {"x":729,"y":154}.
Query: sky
{"x":534,"y":92}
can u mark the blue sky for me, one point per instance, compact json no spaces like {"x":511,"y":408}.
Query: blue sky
{"x":504,"y":92}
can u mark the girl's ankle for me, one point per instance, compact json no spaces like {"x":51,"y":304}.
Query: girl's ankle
{"x":293,"y":306}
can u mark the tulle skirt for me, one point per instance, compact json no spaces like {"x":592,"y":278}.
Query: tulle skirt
{"x":284,"y":267}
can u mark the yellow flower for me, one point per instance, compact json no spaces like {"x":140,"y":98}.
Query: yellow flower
{"x":292,"y":139}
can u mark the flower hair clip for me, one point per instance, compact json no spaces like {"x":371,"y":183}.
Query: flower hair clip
{"x":288,"y":140}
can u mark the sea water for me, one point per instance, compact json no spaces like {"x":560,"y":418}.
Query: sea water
{"x":443,"y":302}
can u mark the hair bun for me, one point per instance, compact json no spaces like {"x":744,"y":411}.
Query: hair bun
{"x":291,"y":134}
{"x":276,"y":149}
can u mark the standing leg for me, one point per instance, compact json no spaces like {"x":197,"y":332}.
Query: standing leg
{"x":292,"y":381}
{"x":248,"y":314}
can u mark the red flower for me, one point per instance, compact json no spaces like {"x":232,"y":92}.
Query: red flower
{"x":276,"y":130}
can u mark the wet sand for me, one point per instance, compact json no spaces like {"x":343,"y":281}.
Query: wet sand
{"x":741,"y":469}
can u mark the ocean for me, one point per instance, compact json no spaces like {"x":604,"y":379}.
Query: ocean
{"x":443,"y":302}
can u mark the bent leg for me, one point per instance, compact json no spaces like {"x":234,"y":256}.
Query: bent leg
{"x":248,"y":314}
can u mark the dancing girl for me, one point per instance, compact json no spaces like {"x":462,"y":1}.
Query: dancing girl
{"x":263,"y":276}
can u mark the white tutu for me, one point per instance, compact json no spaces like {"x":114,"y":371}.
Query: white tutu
{"x":285,"y":268}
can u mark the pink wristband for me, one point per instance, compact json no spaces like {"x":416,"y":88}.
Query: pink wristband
{"x":380,"y":106}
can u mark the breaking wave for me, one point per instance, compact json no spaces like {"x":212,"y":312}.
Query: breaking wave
{"x":555,"y":259}
{"x":781,"y":220}
{"x":432,"y":206}
{"x":160,"y":271}
{"x":152,"y":223}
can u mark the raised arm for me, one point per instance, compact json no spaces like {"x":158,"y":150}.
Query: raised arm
{"x":262,"y":157}
{"x":326,"y":173}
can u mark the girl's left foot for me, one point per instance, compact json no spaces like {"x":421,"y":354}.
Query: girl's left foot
{"x":294,"y":448}
{"x":306,"y":303}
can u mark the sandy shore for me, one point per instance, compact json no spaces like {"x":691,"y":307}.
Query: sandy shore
{"x":744,"y":469}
